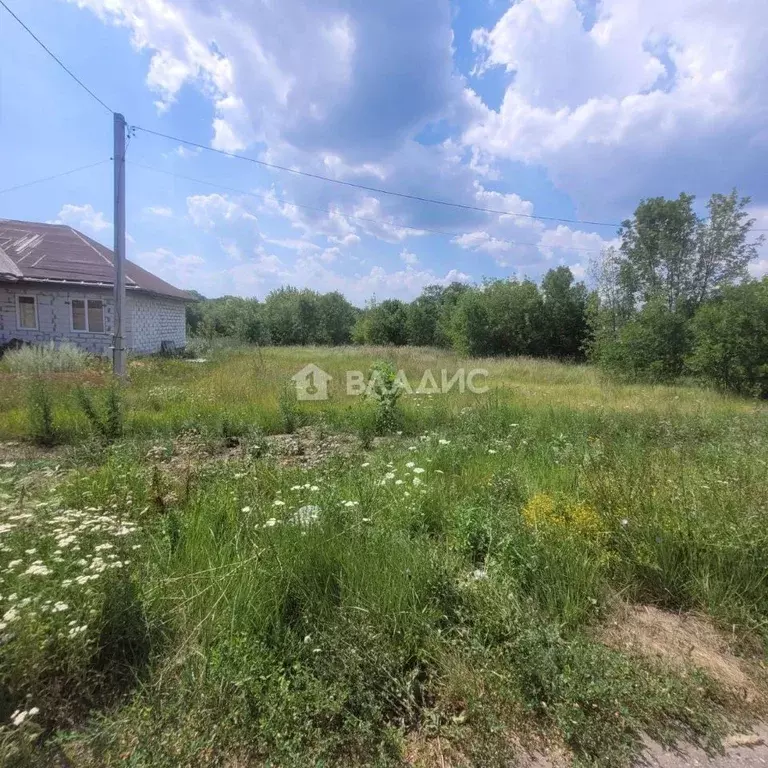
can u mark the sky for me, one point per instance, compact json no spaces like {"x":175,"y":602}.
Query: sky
{"x":559,"y":109}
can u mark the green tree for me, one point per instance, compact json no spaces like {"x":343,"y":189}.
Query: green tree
{"x":504,"y":317}
{"x":730,"y":339}
{"x":565,"y":303}
{"x":671,"y":253}
{"x":337,"y":318}
{"x":387,"y":323}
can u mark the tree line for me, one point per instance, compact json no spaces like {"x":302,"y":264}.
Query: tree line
{"x":673,"y":299}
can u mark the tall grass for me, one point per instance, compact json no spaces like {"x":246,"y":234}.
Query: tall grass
{"x":447,"y":583}
{"x":46,"y":358}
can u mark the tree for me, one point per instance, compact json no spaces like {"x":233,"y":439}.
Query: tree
{"x":723,"y":251}
{"x":387,"y":323}
{"x":565,"y":303}
{"x":670,"y":253}
{"x":659,"y":249}
{"x":337,"y":318}
{"x":730,"y":339}
{"x":504,"y":317}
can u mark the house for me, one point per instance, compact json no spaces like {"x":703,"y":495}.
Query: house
{"x":57,"y":284}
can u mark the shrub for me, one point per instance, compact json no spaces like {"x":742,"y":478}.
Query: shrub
{"x":40,"y":413}
{"x":652,"y":346}
{"x":46,"y":358}
{"x":386,"y":390}
{"x":730,"y":340}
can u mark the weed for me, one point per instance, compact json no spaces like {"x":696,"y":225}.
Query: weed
{"x":40,"y":413}
{"x":109,"y":423}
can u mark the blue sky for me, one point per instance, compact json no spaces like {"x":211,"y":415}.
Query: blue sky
{"x":561,"y":108}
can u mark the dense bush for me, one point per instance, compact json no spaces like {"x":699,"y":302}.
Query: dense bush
{"x":730,"y":340}
{"x":651,"y":346}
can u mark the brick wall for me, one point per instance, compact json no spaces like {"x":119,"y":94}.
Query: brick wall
{"x":149,"y":320}
{"x":154,"y":320}
{"x":54,"y":316}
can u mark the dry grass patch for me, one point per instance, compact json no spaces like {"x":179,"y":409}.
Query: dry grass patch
{"x":684,"y":640}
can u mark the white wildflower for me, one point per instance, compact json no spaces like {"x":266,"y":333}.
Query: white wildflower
{"x":37,"y":569}
{"x":306,"y":515}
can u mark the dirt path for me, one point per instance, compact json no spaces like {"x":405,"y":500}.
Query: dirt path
{"x":749,"y":750}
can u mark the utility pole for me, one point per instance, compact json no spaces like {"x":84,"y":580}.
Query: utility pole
{"x":118,"y":342}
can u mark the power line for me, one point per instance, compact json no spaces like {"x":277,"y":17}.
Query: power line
{"x":55,"y":176}
{"x":376,"y":190}
{"x":55,"y":57}
{"x":377,"y":222}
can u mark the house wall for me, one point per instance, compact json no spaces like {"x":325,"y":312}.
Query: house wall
{"x":54,"y":316}
{"x":149,"y":320}
{"x":154,"y":320}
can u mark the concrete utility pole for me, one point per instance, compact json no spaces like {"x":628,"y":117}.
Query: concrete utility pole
{"x":118,"y":343}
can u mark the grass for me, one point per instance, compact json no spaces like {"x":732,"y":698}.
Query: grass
{"x":46,"y":358}
{"x":187,"y":598}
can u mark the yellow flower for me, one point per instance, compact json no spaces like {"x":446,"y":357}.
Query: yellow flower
{"x":545,"y":513}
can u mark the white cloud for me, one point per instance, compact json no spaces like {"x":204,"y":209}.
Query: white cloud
{"x":183,"y":271}
{"x":159,"y":210}
{"x":206,"y":211}
{"x":408,"y":257}
{"x":644,"y":99}
{"x":563,"y":240}
{"x":309,"y":70}
{"x":266,"y":271}
{"x":83,"y":217}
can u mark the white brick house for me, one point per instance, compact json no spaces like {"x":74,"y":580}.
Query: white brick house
{"x":56,"y":284}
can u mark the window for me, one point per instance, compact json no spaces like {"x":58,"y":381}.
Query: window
{"x":88,"y":315}
{"x":27,"y":313}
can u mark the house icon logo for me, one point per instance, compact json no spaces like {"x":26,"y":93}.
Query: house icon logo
{"x":311,"y":383}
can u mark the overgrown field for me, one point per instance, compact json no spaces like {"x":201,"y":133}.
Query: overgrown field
{"x":201,"y":570}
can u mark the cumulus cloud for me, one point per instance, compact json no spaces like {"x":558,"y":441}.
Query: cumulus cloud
{"x":83,"y":217}
{"x":644,"y":101}
{"x":318,"y":74}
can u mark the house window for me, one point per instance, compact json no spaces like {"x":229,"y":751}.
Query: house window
{"x":88,"y":315}
{"x":27,"y":313}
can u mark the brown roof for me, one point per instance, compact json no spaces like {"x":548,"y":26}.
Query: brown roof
{"x":56,"y":253}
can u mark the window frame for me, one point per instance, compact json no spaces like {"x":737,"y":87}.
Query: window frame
{"x":87,"y":328}
{"x":19,"y":326}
